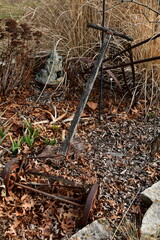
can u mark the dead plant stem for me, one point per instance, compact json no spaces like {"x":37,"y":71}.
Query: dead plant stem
{"x":140,"y":4}
{"x":125,"y":214}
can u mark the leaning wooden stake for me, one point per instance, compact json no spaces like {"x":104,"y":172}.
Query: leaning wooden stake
{"x":85,"y":95}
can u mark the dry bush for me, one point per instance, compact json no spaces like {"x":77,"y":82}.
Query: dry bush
{"x":66,"y":21}
{"x":17,"y":43}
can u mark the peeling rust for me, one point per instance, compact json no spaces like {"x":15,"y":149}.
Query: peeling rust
{"x":10,"y":176}
{"x":49,"y":195}
{"x":89,"y":204}
{"x":6,"y":173}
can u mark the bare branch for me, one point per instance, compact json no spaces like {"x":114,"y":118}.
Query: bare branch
{"x":115,"y":5}
{"x":149,"y":20}
{"x":141,"y":4}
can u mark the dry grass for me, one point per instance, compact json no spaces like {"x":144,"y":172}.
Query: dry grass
{"x":128,"y":231}
{"x":66,"y":21}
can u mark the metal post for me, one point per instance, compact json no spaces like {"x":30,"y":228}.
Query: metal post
{"x":101,"y":69}
{"x":85,"y":95}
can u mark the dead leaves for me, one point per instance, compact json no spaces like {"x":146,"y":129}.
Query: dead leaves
{"x":24,"y":208}
{"x":28,"y":205}
{"x":46,"y":230}
{"x":32,"y":216}
{"x":152,"y":172}
{"x":92,"y":105}
{"x":49,"y":151}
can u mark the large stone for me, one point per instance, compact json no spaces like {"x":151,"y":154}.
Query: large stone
{"x":150,"y":228}
{"x":151,"y":222}
{"x":97,"y":230}
{"x":152,"y":193}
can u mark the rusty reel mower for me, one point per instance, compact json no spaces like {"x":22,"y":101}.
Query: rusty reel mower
{"x":11,"y":176}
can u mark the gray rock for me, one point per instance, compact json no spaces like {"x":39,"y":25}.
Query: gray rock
{"x":151,"y":222}
{"x":151,"y":194}
{"x":150,"y":228}
{"x":97,"y":230}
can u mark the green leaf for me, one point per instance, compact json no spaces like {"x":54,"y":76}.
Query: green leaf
{"x":50,"y":141}
{"x":16,"y":144}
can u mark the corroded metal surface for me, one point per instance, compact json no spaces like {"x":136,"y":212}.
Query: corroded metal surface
{"x":7,"y":172}
{"x":89,"y":204}
{"x":10,"y":175}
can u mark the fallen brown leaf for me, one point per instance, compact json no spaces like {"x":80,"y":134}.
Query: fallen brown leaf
{"x":92,"y":105}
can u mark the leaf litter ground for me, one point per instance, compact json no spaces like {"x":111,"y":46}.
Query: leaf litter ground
{"x":115,"y":153}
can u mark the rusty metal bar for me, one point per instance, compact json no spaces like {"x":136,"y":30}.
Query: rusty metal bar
{"x":6,"y":172}
{"x":51,"y":177}
{"x":132,"y":47}
{"x":132,"y":66}
{"x":132,"y":63}
{"x":49,"y":195}
{"x":89,"y":204}
{"x":109,"y":31}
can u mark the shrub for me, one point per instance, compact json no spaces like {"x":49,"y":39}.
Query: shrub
{"x":17,"y":44}
{"x":68,"y":21}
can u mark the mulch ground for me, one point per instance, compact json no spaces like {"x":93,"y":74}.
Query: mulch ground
{"x":117,"y":154}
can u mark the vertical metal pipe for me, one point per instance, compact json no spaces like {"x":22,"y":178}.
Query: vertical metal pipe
{"x":101,"y":69}
{"x":132,"y":66}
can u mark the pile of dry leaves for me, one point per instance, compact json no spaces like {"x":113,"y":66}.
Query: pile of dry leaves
{"x":116,"y":154}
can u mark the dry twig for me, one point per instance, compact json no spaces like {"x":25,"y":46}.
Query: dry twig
{"x":140,"y":4}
